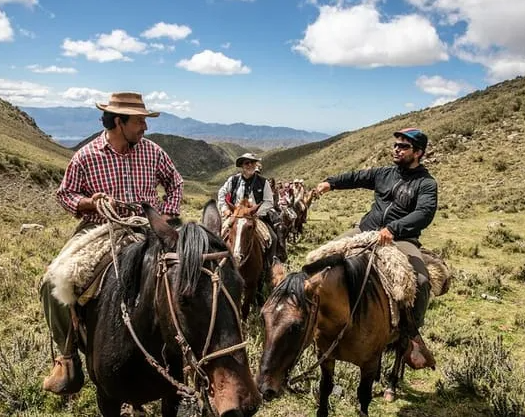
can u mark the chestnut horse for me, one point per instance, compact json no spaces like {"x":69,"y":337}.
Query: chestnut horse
{"x":176,"y":294}
{"x":342,"y":305}
{"x":247,"y":251}
{"x":301,"y":208}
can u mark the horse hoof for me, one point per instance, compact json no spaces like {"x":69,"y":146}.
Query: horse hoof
{"x":389,"y":395}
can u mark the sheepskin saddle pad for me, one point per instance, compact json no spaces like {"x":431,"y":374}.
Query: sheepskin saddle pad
{"x":77,"y":265}
{"x":397,"y":275}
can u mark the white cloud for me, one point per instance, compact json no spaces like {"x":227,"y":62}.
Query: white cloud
{"x":23,"y":92}
{"x":195,"y":42}
{"x":439,"y":86}
{"x":120,"y":41}
{"x":91,"y":51}
{"x":157,"y":95}
{"x":409,"y":105}
{"x":494,"y":35}
{"x":169,"y":30}
{"x":442,"y":100}
{"x":85,"y":95}
{"x":356,"y":36}
{"x":6,"y":31}
{"x":28,"y":3}
{"x":213,"y":63}
{"x":174,"y":106}
{"x":51,"y":69}
{"x":226,"y":45}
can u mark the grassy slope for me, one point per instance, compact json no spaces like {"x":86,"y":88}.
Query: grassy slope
{"x":477,"y":143}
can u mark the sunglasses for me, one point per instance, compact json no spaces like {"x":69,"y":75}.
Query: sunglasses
{"x":402,"y":145}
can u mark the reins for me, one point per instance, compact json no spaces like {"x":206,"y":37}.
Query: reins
{"x":313,"y":314}
{"x":167,"y":259}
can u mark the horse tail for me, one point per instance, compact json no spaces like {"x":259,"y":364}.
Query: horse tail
{"x":193,"y":242}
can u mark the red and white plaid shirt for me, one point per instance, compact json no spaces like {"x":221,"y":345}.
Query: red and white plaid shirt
{"x":132,"y":178}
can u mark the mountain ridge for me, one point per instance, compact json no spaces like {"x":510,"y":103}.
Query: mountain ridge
{"x":76,"y":123}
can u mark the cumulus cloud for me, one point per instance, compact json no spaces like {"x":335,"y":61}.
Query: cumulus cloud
{"x":88,"y":96}
{"x":226,"y":45}
{"x":171,"y":107}
{"x":28,"y":3}
{"x":439,"y":86}
{"x":356,"y":36}
{"x":105,"y":48}
{"x":213,"y":63}
{"x":157,"y":95}
{"x":120,"y":41}
{"x":494,"y":35}
{"x":442,"y":100}
{"x":195,"y":42}
{"x":169,"y":30}
{"x":23,"y":92}
{"x":51,"y":69}
{"x":6,"y":31}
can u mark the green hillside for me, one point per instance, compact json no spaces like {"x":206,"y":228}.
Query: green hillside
{"x":477,"y":330}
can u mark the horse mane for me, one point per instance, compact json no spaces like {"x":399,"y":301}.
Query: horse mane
{"x":355,"y":270}
{"x":194,"y":241}
{"x":292,"y":285}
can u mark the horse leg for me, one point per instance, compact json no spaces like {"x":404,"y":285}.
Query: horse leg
{"x":325,"y":386}
{"x":364,"y":390}
{"x":170,"y":406}
{"x":263,"y":277}
{"x":108,"y":407}
{"x":249,"y":294}
{"x":395,"y":374}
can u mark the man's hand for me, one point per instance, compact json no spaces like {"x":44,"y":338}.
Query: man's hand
{"x":167,"y":217}
{"x":323,"y":187}
{"x":226,"y":213}
{"x":385,"y":237}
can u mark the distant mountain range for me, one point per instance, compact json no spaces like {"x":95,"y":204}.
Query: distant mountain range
{"x":70,"y":125}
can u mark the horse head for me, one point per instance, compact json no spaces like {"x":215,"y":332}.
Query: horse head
{"x":241,"y":237}
{"x":197,"y":302}
{"x":290,"y":316}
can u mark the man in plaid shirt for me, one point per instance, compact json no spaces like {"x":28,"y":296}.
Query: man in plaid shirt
{"x":121,"y":164}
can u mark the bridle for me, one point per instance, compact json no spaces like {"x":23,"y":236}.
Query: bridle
{"x":166,"y":260}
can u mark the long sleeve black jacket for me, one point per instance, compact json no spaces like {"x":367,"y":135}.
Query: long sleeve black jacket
{"x":405,"y":199}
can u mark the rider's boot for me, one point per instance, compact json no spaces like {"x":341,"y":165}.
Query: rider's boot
{"x":66,"y":376}
{"x":417,"y":355}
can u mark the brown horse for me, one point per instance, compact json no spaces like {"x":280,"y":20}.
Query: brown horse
{"x":247,"y":251}
{"x":173,"y":296}
{"x":345,"y":309}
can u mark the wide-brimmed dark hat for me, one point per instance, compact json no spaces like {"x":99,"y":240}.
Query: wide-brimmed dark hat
{"x":418,"y":139}
{"x":246,"y":157}
{"x":127,"y":103}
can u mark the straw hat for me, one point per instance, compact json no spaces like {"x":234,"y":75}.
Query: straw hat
{"x":246,"y":157}
{"x":127,"y":103}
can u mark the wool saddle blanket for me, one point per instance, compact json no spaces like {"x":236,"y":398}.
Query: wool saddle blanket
{"x":77,"y":265}
{"x":398,"y":277}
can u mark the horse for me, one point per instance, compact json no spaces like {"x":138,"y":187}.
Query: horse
{"x":247,"y":250}
{"x":342,"y":305}
{"x":174,"y":295}
{"x":301,"y":208}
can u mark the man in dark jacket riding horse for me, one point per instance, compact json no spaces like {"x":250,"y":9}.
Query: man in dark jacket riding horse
{"x":405,"y":204}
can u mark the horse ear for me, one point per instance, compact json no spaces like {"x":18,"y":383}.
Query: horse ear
{"x":278,"y":271}
{"x":167,"y":234}
{"x":315,"y":281}
{"x":211,"y":218}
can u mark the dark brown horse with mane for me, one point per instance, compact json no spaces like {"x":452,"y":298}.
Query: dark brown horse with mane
{"x":346,"y":310}
{"x":247,"y":250}
{"x":176,"y":294}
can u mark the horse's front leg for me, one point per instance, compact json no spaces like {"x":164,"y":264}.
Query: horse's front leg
{"x":325,"y":386}
{"x":395,"y":374}
{"x":364,"y":391}
{"x":108,"y":407}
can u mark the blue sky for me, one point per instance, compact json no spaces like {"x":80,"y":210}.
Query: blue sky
{"x":318,"y":65}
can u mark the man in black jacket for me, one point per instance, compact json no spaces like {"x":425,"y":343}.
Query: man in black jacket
{"x":405,"y":204}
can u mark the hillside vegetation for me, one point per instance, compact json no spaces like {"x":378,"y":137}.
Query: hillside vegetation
{"x":477,"y":330}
